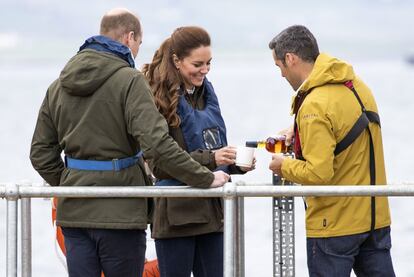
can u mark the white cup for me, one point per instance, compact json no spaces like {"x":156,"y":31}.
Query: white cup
{"x":244,"y":156}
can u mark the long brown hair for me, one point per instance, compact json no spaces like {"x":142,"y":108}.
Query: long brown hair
{"x":163,"y":77}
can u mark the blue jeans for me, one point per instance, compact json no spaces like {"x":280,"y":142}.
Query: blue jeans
{"x":117,"y":253}
{"x":368,"y":254}
{"x":202,"y":255}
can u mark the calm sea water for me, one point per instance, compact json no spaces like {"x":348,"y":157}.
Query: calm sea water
{"x":255,"y":100}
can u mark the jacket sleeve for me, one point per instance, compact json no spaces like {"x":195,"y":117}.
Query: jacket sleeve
{"x":203,"y":157}
{"x":318,"y":144}
{"x":150,"y":129}
{"x":45,"y":149}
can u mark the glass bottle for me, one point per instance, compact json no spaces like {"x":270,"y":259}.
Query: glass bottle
{"x":271,"y":144}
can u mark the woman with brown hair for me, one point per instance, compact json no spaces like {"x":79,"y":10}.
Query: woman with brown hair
{"x":188,"y":232}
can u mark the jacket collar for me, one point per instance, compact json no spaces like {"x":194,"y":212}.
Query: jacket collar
{"x":105,"y":44}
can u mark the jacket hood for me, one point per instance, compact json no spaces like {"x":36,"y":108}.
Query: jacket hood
{"x":88,"y":70}
{"x":328,"y":70}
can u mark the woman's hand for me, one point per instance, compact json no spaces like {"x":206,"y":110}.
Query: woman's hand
{"x":225,"y":155}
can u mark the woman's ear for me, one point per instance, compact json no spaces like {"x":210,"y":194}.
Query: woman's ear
{"x":176,"y":61}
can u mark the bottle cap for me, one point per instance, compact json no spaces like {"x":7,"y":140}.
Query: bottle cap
{"x":251,"y":144}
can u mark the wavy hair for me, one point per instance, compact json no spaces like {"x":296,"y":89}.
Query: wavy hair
{"x":163,"y":77}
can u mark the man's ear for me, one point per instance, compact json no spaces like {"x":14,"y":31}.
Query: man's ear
{"x":128,"y":38}
{"x":131,"y":35}
{"x":290,"y":59}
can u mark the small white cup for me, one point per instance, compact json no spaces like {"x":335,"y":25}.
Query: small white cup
{"x":244,"y":156}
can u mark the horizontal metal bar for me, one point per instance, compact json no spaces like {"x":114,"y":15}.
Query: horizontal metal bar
{"x":137,"y":191}
{"x":231,"y":191}
{"x":274,"y":191}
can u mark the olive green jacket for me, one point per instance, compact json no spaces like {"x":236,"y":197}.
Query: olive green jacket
{"x":101,"y":109}
{"x":179,"y":217}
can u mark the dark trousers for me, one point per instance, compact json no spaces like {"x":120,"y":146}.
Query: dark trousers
{"x":117,"y":253}
{"x":202,"y":255}
{"x":368,"y":254}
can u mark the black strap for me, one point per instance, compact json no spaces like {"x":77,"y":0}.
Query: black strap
{"x":373,"y":117}
{"x":360,"y":125}
{"x":372,"y":175}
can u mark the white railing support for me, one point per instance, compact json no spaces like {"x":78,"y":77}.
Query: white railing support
{"x":11,"y":194}
{"x":229,"y":213}
{"x":26,"y":237}
{"x":239,"y":225}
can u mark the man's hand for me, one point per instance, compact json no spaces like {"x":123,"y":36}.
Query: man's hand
{"x":276,"y":164}
{"x":220,"y":178}
{"x":288,"y":133}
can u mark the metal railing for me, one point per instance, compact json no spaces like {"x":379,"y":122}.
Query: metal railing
{"x":232,"y":194}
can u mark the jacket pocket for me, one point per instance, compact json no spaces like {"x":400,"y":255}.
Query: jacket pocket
{"x":183,"y":211}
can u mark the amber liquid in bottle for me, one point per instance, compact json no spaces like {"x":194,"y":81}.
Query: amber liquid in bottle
{"x":271,"y":144}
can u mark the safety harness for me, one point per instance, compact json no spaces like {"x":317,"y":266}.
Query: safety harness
{"x":357,"y":129}
{"x":202,"y":129}
{"x":112,"y":165}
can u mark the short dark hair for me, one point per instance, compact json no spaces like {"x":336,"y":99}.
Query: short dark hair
{"x":115,"y":26}
{"x":296,"y":39}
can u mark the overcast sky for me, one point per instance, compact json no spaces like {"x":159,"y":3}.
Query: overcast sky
{"x":370,"y":29}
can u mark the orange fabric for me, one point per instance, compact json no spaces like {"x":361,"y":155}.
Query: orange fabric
{"x":59,"y":235}
{"x":150,"y":267}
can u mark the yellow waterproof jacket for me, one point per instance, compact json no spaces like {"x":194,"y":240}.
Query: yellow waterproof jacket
{"x":324,"y":118}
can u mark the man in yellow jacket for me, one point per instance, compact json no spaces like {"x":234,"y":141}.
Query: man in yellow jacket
{"x":337,"y":141}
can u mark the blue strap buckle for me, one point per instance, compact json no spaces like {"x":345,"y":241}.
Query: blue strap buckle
{"x":115,"y":165}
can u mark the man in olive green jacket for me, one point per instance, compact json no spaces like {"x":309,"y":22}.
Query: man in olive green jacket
{"x":343,"y":233}
{"x":100,"y":113}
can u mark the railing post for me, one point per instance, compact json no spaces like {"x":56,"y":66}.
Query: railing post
{"x":283,"y":232}
{"x":229,"y":212}
{"x":240,"y":269}
{"x":12,"y":194}
{"x":26,"y":236}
